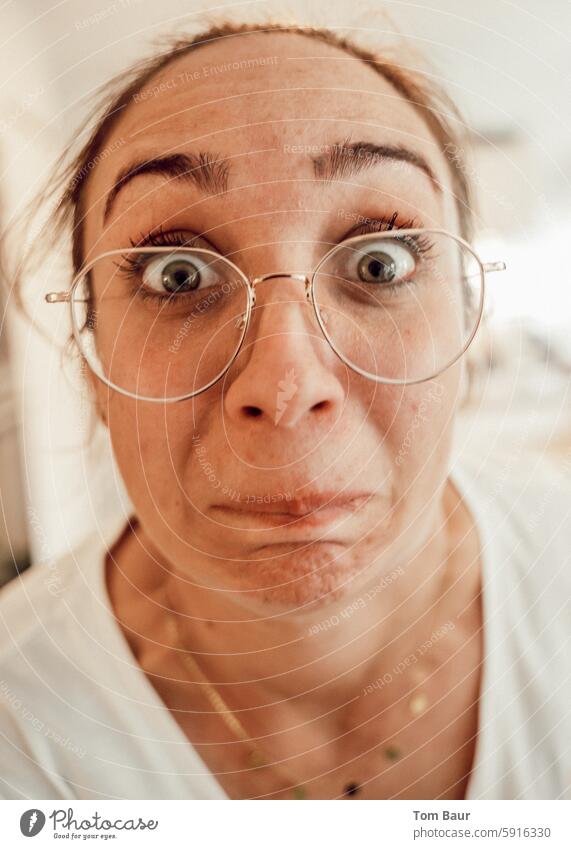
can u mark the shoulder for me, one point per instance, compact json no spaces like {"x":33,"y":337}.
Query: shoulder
{"x":523,"y":514}
{"x":55,"y":616}
{"x":40,"y":615}
{"x":524,"y":521}
{"x":55,"y":594}
{"x":34,"y":603}
{"x":523,"y":505}
{"x":28,"y":604}
{"x":44,"y":655}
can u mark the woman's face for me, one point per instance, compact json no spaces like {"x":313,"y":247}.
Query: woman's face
{"x":197,"y":471}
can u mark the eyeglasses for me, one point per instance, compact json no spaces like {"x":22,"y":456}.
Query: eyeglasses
{"x":166,"y":323}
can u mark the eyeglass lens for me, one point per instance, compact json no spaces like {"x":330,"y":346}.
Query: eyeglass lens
{"x":167,"y":324}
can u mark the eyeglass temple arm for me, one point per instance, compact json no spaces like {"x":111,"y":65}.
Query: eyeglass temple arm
{"x":57,"y":297}
{"x":493,"y":266}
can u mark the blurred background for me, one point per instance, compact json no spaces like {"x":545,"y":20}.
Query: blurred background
{"x":508,"y":67}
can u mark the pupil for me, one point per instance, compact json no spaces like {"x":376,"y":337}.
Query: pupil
{"x":180,"y":277}
{"x":381,"y":268}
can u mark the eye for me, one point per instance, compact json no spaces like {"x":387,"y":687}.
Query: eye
{"x":387,"y":261}
{"x":179,"y":272}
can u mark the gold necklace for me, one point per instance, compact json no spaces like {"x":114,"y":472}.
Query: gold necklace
{"x":256,"y":758}
{"x":417,"y":704}
{"x":419,"y":701}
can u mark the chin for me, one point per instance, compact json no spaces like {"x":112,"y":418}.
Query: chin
{"x":310,"y":578}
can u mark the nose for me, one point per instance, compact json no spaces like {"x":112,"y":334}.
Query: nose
{"x":286,"y":372}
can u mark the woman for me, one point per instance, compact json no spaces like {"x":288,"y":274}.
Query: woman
{"x":274,"y":294}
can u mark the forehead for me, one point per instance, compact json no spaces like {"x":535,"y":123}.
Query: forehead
{"x":267,"y":77}
{"x":259,"y":101}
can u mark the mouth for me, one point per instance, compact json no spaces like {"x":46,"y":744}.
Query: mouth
{"x":311,"y":510}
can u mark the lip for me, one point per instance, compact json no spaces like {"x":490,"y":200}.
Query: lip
{"x":310,"y":510}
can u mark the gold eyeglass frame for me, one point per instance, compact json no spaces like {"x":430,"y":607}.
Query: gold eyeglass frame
{"x":252,"y":282}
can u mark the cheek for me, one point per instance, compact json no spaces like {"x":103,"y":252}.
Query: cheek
{"x":419,"y":432}
{"x":154,"y":449}
{"x":147,"y":458}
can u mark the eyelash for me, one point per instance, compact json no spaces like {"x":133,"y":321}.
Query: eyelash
{"x":161,"y":238}
{"x":131,"y":266}
{"x":420,"y":244}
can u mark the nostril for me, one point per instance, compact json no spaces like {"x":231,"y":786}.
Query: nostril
{"x":253,"y":412}
{"x":320,"y":405}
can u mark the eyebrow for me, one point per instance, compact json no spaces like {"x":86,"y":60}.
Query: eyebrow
{"x":346,"y":158}
{"x":209,"y":172}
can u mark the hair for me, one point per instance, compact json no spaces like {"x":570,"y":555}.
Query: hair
{"x":66,"y":185}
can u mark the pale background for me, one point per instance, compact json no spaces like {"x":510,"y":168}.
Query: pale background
{"x":508,"y":66}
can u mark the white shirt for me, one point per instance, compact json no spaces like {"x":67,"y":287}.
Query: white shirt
{"x":79,"y":718}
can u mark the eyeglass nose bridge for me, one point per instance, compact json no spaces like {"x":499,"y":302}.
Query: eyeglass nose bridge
{"x":303,"y":278}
